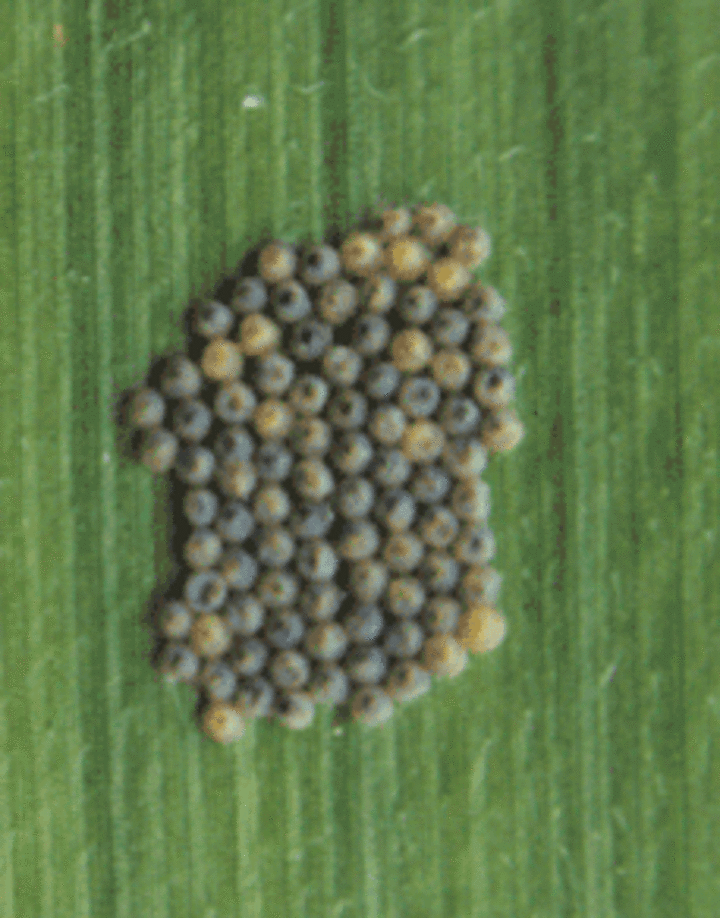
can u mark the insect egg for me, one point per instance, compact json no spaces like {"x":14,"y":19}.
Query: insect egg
{"x":273,"y":419}
{"x":411,"y":350}
{"x":234,"y":444}
{"x":441,"y":615}
{"x":450,"y":327}
{"x":342,"y":365}
{"x":502,"y":431}
{"x":387,"y":424}
{"x":250,"y":295}
{"x":313,"y":480}
{"x":419,"y":397}
{"x":275,"y":547}
{"x":470,"y":246}
{"x":404,"y":639}
{"x":277,"y":262}
{"x":277,"y":589}
{"x":213,"y":319}
{"x":483,"y":304}
{"x":480,"y":585}
{"x":205,"y":591}
{"x":285,"y":630}
{"x":395,"y":510}
{"x":234,"y":403}
{"x":310,"y":339}
{"x":448,"y":279}
{"x":475,"y":545}
{"x":222,"y":723}
{"x":450,"y":369}
{"x":295,"y":710}
{"x":312,"y":522}
{"x":403,"y":551}
{"x":181,"y":378}
{"x":381,"y":380}
{"x":423,"y":441}
{"x":175,"y":620}
{"x":244,"y":615}
{"x":396,"y":222}
{"x":320,"y":602}
{"x":178,"y":663}
{"x":271,"y":504}
{"x":361,"y":254}
{"x":355,"y":497}
{"x":291,"y":302}
{"x":146,"y":409}
{"x":221,"y":360}
{"x":439,"y":572}
{"x":338,"y":301}
{"x":418,"y":305}
{"x":378,"y":293}
{"x":391,"y":468}
{"x":209,"y":636}
{"x":290,"y":670}
{"x":471,"y":500}
{"x":250,"y":657}
{"x":274,"y":374}
{"x":194,"y":465}
{"x":258,"y":335}
{"x":443,"y":655}
{"x":309,"y":394}
{"x":273,"y":461}
{"x":203,"y":548}
{"x":255,"y":697}
{"x":495,"y":388}
{"x":326,"y":641}
{"x":218,"y":680}
{"x":368,"y":580}
{"x":406,"y":259}
{"x":438,"y":527}
{"x":321,"y":264}
{"x":364,"y":624}
{"x":352,"y":453}
{"x":310,"y":436}
{"x":348,"y":409}
{"x":406,"y":596}
{"x":481,"y":629}
{"x":370,"y":335}
{"x":159,"y":450}
{"x":328,"y":685}
{"x":459,"y":416}
{"x":359,"y":540}
{"x":192,"y":420}
{"x":317,"y":561}
{"x":465,"y":458}
{"x":237,"y":479}
{"x":436,"y":223}
{"x":366,"y":665}
{"x":371,"y":706}
{"x":238,"y":568}
{"x":407,"y":681}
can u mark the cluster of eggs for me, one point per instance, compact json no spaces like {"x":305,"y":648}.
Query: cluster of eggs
{"x":330,"y":440}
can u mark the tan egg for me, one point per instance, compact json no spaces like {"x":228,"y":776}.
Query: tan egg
{"x":277,"y":262}
{"x":411,"y":350}
{"x":221,"y":360}
{"x":470,"y":245}
{"x":338,"y":301}
{"x":443,"y":655}
{"x":448,"y":279}
{"x":273,"y":419}
{"x":451,"y":369}
{"x":396,"y":221}
{"x":481,"y":628}
{"x":258,"y":335}
{"x":361,"y":254}
{"x":436,"y":223}
{"x":423,"y":441}
{"x":403,"y":551}
{"x":406,"y":259}
{"x":502,"y":431}
{"x":210,"y":636}
{"x":223,"y":723}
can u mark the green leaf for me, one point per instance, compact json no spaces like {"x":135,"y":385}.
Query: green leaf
{"x":145,"y":147}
